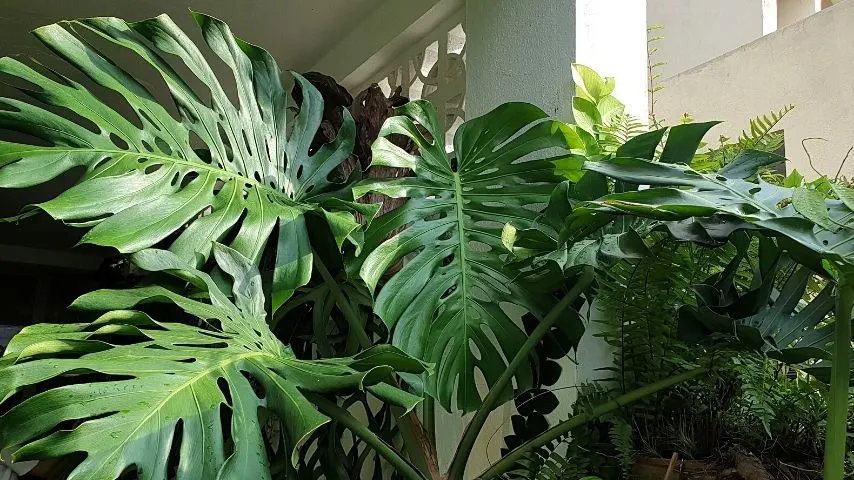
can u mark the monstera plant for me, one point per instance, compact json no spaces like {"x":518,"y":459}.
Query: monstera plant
{"x":233,"y":359}
{"x":811,"y":226}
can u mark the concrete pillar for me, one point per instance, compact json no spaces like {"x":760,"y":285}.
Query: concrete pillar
{"x":523,"y":49}
{"x":520,"y":50}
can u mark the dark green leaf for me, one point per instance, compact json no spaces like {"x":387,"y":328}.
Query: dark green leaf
{"x":444,"y":304}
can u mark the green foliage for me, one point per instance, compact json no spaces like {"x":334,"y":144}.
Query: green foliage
{"x":443,"y":305}
{"x":154,"y":385}
{"x":152,"y":178}
{"x":487,"y":235}
{"x":586,"y":450}
{"x":599,"y":114}
{"x":762,"y":136}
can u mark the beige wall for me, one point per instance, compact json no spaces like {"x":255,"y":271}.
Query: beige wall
{"x":808,"y":64}
{"x":791,"y":11}
{"x":696,"y":31}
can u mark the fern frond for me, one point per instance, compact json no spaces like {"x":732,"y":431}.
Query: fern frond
{"x":620,"y":129}
{"x":762,"y":128}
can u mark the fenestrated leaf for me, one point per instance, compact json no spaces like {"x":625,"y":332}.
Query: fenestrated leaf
{"x":143,"y":185}
{"x":810,"y":203}
{"x":756,"y":204}
{"x":777,"y":323}
{"x":153,"y":376}
{"x":444,"y":304}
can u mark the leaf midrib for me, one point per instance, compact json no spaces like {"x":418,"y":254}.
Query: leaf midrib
{"x":189,"y":383}
{"x":458,"y":197}
{"x":179,"y":161}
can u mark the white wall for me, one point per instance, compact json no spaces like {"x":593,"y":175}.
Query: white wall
{"x":696,"y":31}
{"x":808,"y":64}
{"x":611,"y":39}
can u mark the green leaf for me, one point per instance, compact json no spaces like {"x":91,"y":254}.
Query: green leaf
{"x":443,"y":306}
{"x":683,"y":141}
{"x":762,"y":318}
{"x":748,"y":163}
{"x":844,"y":193}
{"x":585,"y":114}
{"x":680,"y":192}
{"x":810,"y":204}
{"x":152,"y":376}
{"x":794,"y":179}
{"x":642,"y":146}
{"x":592,"y":84}
{"x":216,"y":168}
{"x":570,"y":167}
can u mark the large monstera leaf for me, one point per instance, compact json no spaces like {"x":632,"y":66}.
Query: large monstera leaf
{"x":132,"y":392}
{"x":452,"y":299}
{"x":810,"y":224}
{"x":216,"y":168}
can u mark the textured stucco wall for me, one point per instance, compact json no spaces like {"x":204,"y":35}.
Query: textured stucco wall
{"x":520,"y":50}
{"x":791,"y":11}
{"x":696,"y":31}
{"x":808,"y":64}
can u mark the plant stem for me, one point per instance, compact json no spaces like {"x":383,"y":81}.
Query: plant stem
{"x":383,"y":449}
{"x":351,"y":316}
{"x":566,"y":426}
{"x":493,"y":398}
{"x":430,"y":419}
{"x":837,"y":411}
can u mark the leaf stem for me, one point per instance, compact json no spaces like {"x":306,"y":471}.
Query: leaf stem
{"x":430,"y":419}
{"x":346,"y":307}
{"x":566,"y":426}
{"x":498,"y":390}
{"x":837,"y":414}
{"x":383,"y":449}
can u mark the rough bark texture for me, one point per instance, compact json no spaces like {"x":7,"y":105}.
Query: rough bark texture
{"x":369,"y":109}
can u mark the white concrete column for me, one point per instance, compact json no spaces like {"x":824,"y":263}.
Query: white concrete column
{"x":523,"y":50}
{"x":520,"y":50}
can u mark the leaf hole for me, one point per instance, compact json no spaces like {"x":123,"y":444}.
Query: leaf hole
{"x":101,"y":163}
{"x":226,"y":143}
{"x":147,"y":146}
{"x":225,"y":415}
{"x":147,"y":119}
{"x":173,"y":461}
{"x":257,"y":387}
{"x":119,"y":142}
{"x":222,"y":383}
{"x":203,"y":345}
{"x":163,"y":146}
{"x":246,"y":142}
{"x":189,"y":177}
